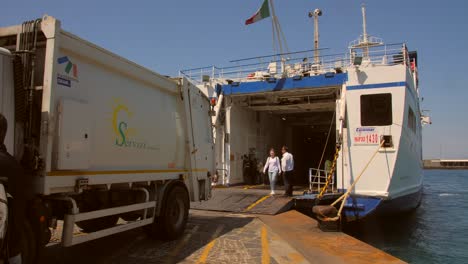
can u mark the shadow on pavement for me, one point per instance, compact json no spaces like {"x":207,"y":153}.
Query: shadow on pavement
{"x":135,"y":246}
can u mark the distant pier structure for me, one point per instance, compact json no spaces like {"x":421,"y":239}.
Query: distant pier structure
{"x":446,"y":164}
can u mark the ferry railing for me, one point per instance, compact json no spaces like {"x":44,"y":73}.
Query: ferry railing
{"x":390,"y":54}
{"x":199,"y":75}
{"x":279,"y":66}
{"x":370,"y":39}
{"x":297,"y":64}
{"x":318,"y":178}
{"x":286,"y":67}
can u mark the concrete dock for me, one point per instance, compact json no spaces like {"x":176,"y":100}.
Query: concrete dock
{"x":242,"y":236}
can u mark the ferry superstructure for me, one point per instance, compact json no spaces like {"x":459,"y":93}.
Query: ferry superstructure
{"x":319,"y":105}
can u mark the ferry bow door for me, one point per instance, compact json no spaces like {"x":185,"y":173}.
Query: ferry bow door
{"x":200,"y":141}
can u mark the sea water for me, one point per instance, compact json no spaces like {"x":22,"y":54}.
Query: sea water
{"x":436,"y":232}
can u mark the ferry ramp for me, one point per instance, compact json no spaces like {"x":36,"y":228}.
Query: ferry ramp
{"x":245,"y":199}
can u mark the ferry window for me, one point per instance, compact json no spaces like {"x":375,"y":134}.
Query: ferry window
{"x":376,"y":109}
{"x":411,"y":120}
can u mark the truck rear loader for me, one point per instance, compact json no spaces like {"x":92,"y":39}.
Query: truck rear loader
{"x":101,"y":137}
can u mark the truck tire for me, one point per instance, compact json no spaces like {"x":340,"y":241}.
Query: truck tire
{"x":38,"y":215}
{"x":171,"y":222}
{"x":96,"y":201}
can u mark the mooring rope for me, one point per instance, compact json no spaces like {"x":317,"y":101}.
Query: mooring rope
{"x":345,"y":195}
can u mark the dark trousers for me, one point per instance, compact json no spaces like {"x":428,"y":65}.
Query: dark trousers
{"x":288,"y":187}
{"x":16,"y":226}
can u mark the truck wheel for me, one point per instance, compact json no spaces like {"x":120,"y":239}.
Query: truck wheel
{"x":170,"y":224}
{"x":96,"y":201}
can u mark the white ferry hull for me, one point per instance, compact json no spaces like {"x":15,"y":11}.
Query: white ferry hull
{"x":392,"y":183}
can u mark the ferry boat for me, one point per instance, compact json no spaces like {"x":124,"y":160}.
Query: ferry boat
{"x":358,"y":112}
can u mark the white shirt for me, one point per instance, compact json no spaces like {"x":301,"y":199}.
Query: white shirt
{"x":273,"y":165}
{"x":287,"y":162}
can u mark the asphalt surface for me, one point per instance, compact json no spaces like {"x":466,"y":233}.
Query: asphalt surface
{"x":210,"y":237}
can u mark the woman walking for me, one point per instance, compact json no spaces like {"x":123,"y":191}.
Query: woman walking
{"x":274,"y":168}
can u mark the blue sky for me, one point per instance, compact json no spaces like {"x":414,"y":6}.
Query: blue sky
{"x":167,"y":36}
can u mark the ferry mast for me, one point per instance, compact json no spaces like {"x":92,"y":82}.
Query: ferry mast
{"x":365,"y":41}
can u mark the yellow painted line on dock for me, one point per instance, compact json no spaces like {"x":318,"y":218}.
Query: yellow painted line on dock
{"x":265,"y":247}
{"x":246,"y":187}
{"x":206,"y":251}
{"x":256,"y":203}
{"x":180,"y":245}
{"x":220,"y":186}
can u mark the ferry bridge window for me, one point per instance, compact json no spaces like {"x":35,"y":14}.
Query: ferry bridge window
{"x":376,"y":109}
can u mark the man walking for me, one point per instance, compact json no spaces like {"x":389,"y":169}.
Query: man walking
{"x":287,"y":166}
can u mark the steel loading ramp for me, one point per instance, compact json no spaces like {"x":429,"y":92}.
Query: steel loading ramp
{"x":245,"y":200}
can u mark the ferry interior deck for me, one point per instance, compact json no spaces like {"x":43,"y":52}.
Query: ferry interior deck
{"x":307,"y":124}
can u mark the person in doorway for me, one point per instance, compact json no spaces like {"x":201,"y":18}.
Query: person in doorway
{"x":287,"y":165}
{"x":327,"y":166}
{"x":245,"y":169}
{"x":253,"y":169}
{"x":11,"y":170}
{"x":274,"y":168}
{"x":262,"y":179}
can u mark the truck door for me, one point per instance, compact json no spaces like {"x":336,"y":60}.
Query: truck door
{"x":201,"y":144}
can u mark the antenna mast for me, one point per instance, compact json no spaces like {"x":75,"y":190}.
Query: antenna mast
{"x":364,"y":24}
{"x":315,"y":14}
{"x":365,"y":42}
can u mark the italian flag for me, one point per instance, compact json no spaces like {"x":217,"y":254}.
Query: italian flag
{"x":262,"y":13}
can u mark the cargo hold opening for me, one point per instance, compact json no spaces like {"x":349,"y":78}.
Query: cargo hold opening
{"x":299,"y":119}
{"x":307,"y":135}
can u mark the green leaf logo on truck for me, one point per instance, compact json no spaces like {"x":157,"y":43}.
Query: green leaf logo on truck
{"x":125,"y":135}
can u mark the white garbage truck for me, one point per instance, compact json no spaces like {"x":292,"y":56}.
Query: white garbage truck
{"x":101,"y":137}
